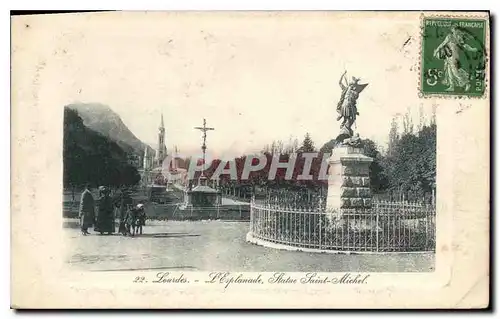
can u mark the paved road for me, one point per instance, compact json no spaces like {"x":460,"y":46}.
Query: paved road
{"x":215,"y":245}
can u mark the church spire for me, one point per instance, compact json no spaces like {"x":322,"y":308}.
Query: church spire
{"x":145,"y":162}
{"x":161,"y":151}
{"x":175,"y":158}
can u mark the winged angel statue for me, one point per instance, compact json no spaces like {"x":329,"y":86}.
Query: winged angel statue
{"x":346,"y":107}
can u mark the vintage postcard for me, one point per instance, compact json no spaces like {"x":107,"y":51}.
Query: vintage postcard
{"x":250,"y":160}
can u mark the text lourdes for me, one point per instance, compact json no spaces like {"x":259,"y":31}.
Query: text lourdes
{"x":167,"y":278}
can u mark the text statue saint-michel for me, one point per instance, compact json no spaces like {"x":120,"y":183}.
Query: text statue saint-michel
{"x":347,"y":109}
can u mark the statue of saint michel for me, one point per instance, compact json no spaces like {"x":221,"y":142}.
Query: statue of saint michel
{"x":346,"y":107}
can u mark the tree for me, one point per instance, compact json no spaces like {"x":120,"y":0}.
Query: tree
{"x":421,"y":118}
{"x":292,"y":145}
{"x":129,"y":176}
{"x":411,"y":167}
{"x":393,"y":137}
{"x":89,"y":157}
{"x":433,"y":116}
{"x":273,"y":147}
{"x":280,"y":147}
{"x":328,"y":147}
{"x":307,"y":145}
{"x":407,"y":123}
{"x":266,"y":149}
{"x":378,"y":178}
{"x":427,"y":140}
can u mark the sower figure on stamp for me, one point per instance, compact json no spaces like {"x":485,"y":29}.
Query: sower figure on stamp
{"x":106,"y":217}
{"x":449,"y":50}
{"x":87,"y":210}
{"x":347,"y":105}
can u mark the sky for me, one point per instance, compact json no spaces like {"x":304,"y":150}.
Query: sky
{"x":255,"y":78}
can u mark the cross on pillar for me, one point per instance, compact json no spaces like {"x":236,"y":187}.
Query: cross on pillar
{"x":204,"y":129}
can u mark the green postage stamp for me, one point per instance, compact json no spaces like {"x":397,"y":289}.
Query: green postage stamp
{"x":453,"y":56}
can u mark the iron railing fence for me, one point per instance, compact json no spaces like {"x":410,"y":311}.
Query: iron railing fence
{"x":387,"y":227}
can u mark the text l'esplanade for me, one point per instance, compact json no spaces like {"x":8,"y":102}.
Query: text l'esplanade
{"x":314,"y":278}
{"x":227,"y":279}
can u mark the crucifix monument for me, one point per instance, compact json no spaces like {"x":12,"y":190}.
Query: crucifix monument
{"x":203,"y":195}
{"x":202,"y":180}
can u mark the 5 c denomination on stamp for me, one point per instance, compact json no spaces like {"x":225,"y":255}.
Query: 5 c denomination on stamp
{"x":453,"y":56}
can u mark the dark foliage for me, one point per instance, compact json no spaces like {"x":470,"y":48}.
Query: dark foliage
{"x":89,"y":157}
{"x":411,"y":166}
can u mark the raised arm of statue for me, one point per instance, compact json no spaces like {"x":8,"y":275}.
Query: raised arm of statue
{"x":343,"y":82}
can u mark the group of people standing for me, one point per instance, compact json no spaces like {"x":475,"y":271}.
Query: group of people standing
{"x":109,"y":208}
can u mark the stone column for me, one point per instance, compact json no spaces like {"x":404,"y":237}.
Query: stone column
{"x":349,"y":181}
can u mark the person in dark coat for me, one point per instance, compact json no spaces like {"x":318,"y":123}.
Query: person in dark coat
{"x":106,"y":217}
{"x":142,"y":216}
{"x":136,"y":219}
{"x":87,"y":210}
{"x":124,"y":203}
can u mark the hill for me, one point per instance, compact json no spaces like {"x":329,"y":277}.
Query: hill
{"x":90,"y":157}
{"x":102,"y":119}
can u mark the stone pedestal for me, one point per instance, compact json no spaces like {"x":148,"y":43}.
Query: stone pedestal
{"x":349,"y":179}
{"x":349,"y":185}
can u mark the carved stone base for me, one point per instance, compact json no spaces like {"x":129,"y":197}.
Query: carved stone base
{"x":348,"y":179}
{"x":349,"y":188}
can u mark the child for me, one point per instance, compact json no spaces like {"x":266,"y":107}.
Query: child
{"x":141,"y":217}
{"x":136,"y":218}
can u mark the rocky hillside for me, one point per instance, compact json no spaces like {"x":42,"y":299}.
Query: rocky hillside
{"x":90,"y":157}
{"x":101,"y":118}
